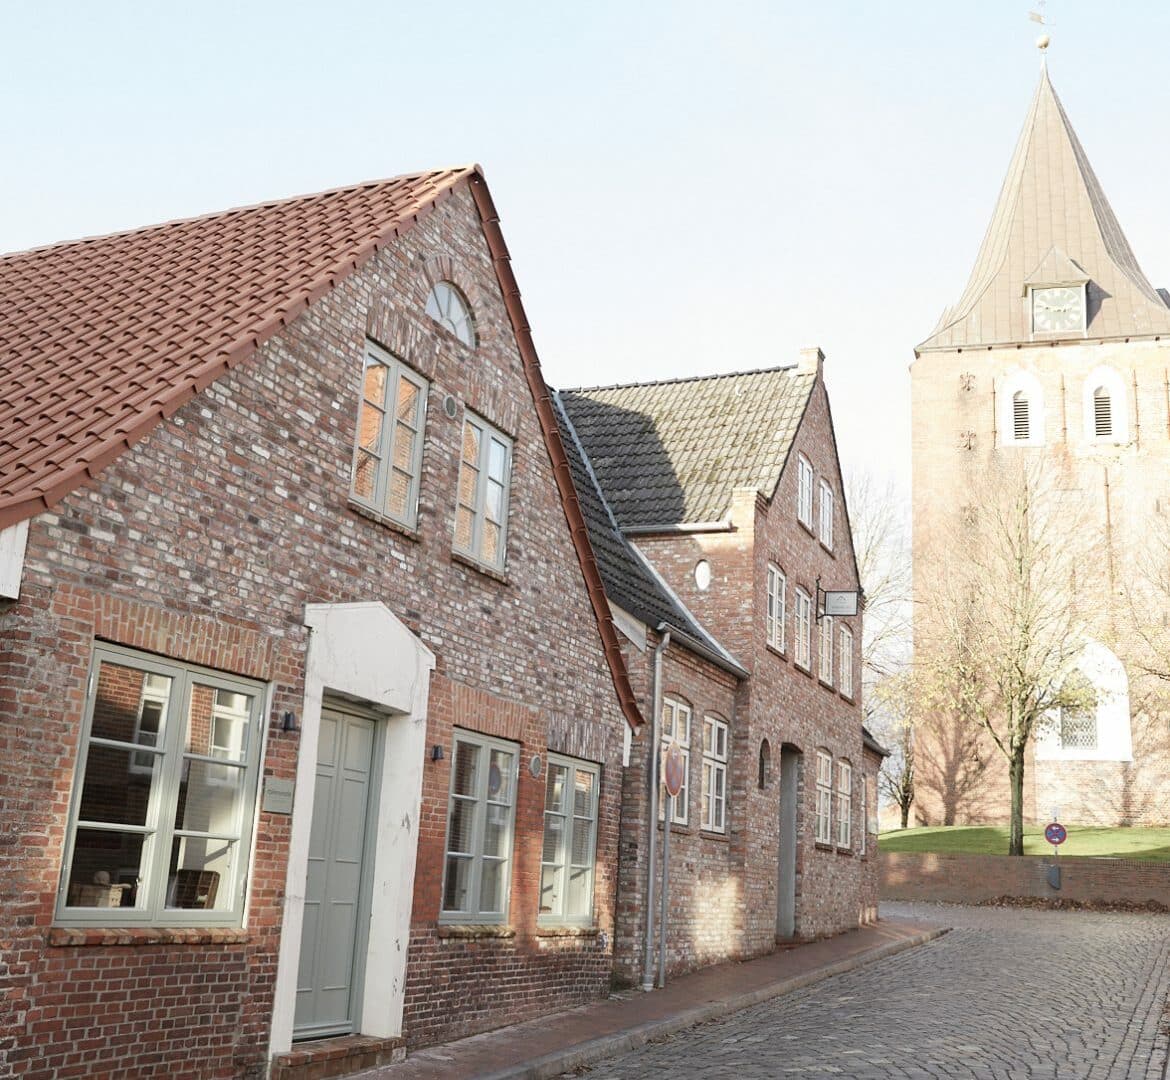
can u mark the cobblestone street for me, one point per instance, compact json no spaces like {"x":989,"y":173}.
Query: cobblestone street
{"x":1008,"y":993}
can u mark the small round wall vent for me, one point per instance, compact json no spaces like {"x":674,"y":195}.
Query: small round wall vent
{"x":703,"y":575}
{"x":450,"y":407}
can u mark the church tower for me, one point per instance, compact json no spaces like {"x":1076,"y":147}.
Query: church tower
{"x":1058,"y":349}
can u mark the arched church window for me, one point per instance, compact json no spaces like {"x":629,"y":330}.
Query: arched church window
{"x":1078,"y":715}
{"x":1092,"y":722}
{"x":1019,"y":410}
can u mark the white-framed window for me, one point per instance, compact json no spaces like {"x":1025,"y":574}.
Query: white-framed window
{"x":824,"y":818}
{"x":826,"y":515}
{"x":804,"y":491}
{"x":1020,"y":410}
{"x":387,"y":457}
{"x":777,"y":603}
{"x":450,"y":309}
{"x":160,"y":821}
{"x":845,"y":664}
{"x":481,"y":513}
{"x":844,"y":804}
{"x":570,"y":840}
{"x":714,"y":774}
{"x":802,"y":628}
{"x":676,"y":727}
{"x":477,"y":869}
{"x":825,"y":650}
{"x":863,"y":794}
{"x":1105,"y":414}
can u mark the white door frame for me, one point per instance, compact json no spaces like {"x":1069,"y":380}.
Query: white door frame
{"x":365,"y":653}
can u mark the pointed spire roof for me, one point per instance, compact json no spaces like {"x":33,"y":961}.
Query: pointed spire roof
{"x":1052,"y":225}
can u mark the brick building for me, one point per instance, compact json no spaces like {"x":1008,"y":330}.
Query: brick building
{"x":715,"y":508}
{"x":312,"y":710}
{"x":1057,"y":351}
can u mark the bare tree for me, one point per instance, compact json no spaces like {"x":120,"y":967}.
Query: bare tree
{"x":878,"y":514}
{"x":998,"y":630}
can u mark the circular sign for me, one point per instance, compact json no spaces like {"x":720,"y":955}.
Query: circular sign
{"x":1055,"y":833}
{"x":673,"y":769}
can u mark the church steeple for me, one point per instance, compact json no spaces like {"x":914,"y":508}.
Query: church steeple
{"x":1052,"y":230}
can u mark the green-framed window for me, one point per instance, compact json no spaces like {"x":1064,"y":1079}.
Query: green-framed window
{"x":164,"y":796}
{"x":570,"y":841}
{"x":477,"y":871}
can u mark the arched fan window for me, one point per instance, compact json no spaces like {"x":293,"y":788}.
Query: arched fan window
{"x":447,"y":306}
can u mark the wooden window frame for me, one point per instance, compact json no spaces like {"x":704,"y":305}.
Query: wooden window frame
{"x":804,"y":491}
{"x":825,"y":650}
{"x":823,"y":818}
{"x":827,"y":510}
{"x":154,"y":886}
{"x":474,"y":912}
{"x":675,"y":707}
{"x":389,"y":431}
{"x":776,"y":608}
{"x":572,"y":822}
{"x":715,"y":766}
{"x":802,"y":619}
{"x":488,"y":434}
{"x":844,"y":836}
{"x":845,"y":664}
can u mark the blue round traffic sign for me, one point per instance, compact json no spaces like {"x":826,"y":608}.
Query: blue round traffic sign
{"x":1055,"y":833}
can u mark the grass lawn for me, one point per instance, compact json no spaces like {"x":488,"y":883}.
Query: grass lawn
{"x":1146,"y":844}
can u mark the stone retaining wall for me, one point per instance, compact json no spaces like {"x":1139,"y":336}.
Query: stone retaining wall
{"x":972,"y":878}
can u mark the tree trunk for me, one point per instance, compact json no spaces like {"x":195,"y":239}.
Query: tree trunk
{"x":1016,"y":772}
{"x":905,"y":813}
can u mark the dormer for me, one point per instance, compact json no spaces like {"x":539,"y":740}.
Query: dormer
{"x":1056,"y":297}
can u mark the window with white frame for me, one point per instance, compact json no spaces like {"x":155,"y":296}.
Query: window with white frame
{"x":387,"y":459}
{"x":447,"y":306}
{"x":845,"y":664}
{"x":481,"y":514}
{"x":826,"y":515}
{"x":676,"y":728}
{"x":802,"y":628}
{"x":777,"y":601}
{"x":478,"y":866}
{"x":714,"y":774}
{"x":824,"y":818}
{"x":570,"y":838}
{"x":804,"y":491}
{"x":1020,"y":418}
{"x":825,"y":650}
{"x":844,"y":804}
{"x":863,"y":794}
{"x":160,"y":823}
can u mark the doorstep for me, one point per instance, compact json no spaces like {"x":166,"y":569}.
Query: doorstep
{"x":340,"y":1056}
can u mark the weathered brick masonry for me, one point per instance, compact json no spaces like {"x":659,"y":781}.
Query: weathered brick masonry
{"x":204,"y":542}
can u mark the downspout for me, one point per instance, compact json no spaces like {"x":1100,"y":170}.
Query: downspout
{"x":652,"y":823}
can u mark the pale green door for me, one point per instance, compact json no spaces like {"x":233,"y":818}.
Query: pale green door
{"x":333,"y":936}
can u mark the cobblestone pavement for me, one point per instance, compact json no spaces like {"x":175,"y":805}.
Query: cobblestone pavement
{"x":1008,"y":993}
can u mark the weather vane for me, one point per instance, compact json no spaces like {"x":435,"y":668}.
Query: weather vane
{"x":1040,"y":16}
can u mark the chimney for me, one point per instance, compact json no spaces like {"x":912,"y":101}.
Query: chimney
{"x":811,"y":361}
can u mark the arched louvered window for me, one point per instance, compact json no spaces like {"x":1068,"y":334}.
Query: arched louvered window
{"x":1021,"y":426}
{"x":1102,"y":412}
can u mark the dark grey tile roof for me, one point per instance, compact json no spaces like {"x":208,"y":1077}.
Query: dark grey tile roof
{"x":669,"y":453}
{"x":629,"y":581}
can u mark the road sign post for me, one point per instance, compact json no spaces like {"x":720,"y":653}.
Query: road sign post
{"x":673,"y":773}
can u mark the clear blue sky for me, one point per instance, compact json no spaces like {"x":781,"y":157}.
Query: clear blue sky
{"x":685,"y":187}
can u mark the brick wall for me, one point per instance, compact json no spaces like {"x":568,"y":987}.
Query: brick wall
{"x":965,"y":879}
{"x":781,"y":705}
{"x":204,"y":542}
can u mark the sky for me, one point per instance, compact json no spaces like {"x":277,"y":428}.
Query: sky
{"x":686,"y":188}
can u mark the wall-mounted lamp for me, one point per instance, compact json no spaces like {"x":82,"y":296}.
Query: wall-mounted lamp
{"x":436,"y":752}
{"x":290,"y":722}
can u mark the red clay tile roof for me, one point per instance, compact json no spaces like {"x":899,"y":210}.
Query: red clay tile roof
{"x":101,"y":339}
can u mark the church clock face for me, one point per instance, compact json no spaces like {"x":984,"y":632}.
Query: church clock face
{"x":1054,"y":310}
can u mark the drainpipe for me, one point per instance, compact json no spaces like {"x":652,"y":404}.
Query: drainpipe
{"x":652,"y":823}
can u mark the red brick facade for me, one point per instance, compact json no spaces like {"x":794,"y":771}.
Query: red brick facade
{"x":723,"y":887}
{"x":204,"y":543}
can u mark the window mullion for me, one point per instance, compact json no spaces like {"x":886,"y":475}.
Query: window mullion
{"x":386,"y":439}
{"x":479,"y":829}
{"x":163,"y":821}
